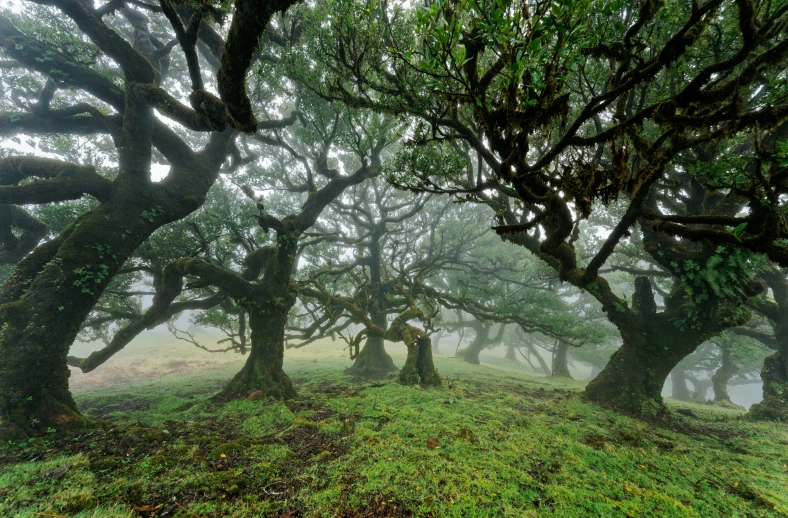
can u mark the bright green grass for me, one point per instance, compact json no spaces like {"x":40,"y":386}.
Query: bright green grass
{"x":507,"y":445}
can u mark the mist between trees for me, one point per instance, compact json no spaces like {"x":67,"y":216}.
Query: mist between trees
{"x":589,"y":186}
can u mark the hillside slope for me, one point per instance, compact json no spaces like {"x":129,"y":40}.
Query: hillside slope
{"x":492,"y":442}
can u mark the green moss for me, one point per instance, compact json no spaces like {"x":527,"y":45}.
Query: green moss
{"x":230,"y":448}
{"x":507,"y":445}
{"x":302,"y":421}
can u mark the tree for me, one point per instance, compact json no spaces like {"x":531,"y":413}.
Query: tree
{"x":118,"y":72}
{"x":727,"y":359}
{"x":571,"y":105}
{"x":382,"y":227}
{"x":395,"y":239}
{"x":775,"y":366}
{"x":242,"y":284}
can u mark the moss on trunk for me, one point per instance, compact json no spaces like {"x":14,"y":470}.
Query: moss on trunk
{"x":264,"y":366}
{"x":34,"y":394}
{"x":419,"y":367}
{"x":774,"y":374}
{"x":38,"y":328}
{"x":775,"y":367}
{"x":268,"y":308}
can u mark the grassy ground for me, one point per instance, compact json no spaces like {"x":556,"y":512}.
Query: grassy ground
{"x":494,"y":441}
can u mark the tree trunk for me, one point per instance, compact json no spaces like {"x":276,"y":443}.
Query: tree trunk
{"x":419,"y":367}
{"x":471,"y":353}
{"x":632,"y":380}
{"x":561,"y":361}
{"x":653,"y":345}
{"x":268,"y":311}
{"x":263,"y":369}
{"x":54,"y":288}
{"x":542,"y":362}
{"x":722,"y":376}
{"x":38,"y":326}
{"x":679,"y":389}
{"x":511,"y":354}
{"x":372,"y":361}
{"x":775,"y":381}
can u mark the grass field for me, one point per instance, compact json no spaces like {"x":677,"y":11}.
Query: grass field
{"x":494,"y":441}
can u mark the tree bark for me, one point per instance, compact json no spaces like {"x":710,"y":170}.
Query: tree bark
{"x":511,"y":354}
{"x":561,"y":361}
{"x":419,"y":367}
{"x":39,"y":326}
{"x":774,"y":374}
{"x":653,"y":345}
{"x":372,"y":361}
{"x":632,"y":380}
{"x":268,"y":310}
{"x":679,"y":389}
{"x":471,"y":353}
{"x":775,"y":379}
{"x":722,"y":377}
{"x":264,"y":366}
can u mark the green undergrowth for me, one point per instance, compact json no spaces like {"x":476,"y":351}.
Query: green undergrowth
{"x":489,"y":443}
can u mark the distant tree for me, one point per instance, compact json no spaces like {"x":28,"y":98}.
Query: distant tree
{"x":382,"y":228}
{"x":726,"y":360}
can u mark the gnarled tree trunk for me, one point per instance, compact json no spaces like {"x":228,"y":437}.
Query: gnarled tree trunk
{"x":471,"y":353}
{"x":419,"y":367}
{"x":511,"y":354}
{"x":268,"y":309}
{"x":722,"y":376}
{"x":633,"y":379}
{"x":775,"y":367}
{"x":775,"y":380}
{"x":653,"y":345}
{"x":561,"y":361}
{"x":373,"y":361}
{"x":49,"y":295}
{"x":263,"y":369}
